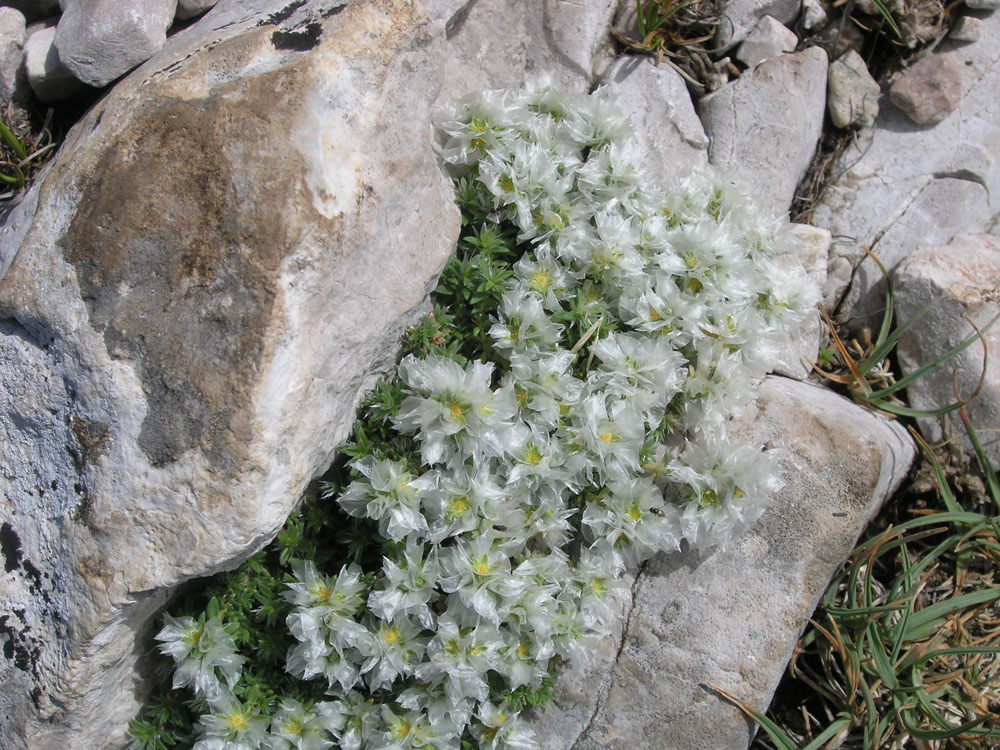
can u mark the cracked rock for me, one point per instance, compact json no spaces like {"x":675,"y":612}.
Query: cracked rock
{"x":763,"y":127}
{"x":738,"y":17}
{"x":732,"y":618}
{"x":768,"y":39}
{"x":901,"y":185}
{"x":192,"y":8}
{"x":965,"y":275}
{"x":657,"y":101}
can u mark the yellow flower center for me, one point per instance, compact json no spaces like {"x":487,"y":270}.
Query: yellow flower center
{"x":532,"y":455}
{"x":482,"y":567}
{"x":237,"y":721}
{"x":609,"y":437}
{"x":634,"y":512}
{"x":458,"y":506}
{"x":391,"y":635}
{"x":457,"y":411}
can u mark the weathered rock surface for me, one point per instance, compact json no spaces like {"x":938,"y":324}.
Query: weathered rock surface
{"x":738,"y":17}
{"x":966,"y":29}
{"x":769,"y":38}
{"x":557,"y":37}
{"x":929,"y":90}
{"x":12,"y":38}
{"x":763,"y":127}
{"x":901,"y":185}
{"x":814,"y":14}
{"x":851,"y":92}
{"x":48,"y":77}
{"x":965,"y":274}
{"x":100,"y":40}
{"x":192,"y":8}
{"x":657,"y":101}
{"x":732,"y":617}
{"x":189,"y":322}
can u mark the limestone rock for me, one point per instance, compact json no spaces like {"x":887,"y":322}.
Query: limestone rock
{"x":657,"y":101}
{"x":814,"y":14}
{"x":192,"y":8}
{"x":222,"y":257}
{"x":966,"y":274}
{"x":763,"y":127}
{"x":100,"y":40}
{"x":558,"y":38}
{"x":48,"y":77}
{"x":983,"y":4}
{"x":738,"y":17}
{"x":929,"y":90}
{"x":769,"y":38}
{"x":901,"y":185}
{"x":966,"y":29}
{"x":12,"y":38}
{"x":851,"y":92}
{"x":733,"y":617}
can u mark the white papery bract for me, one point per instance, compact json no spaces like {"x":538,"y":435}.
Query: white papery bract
{"x":590,"y":436}
{"x":199,"y":649}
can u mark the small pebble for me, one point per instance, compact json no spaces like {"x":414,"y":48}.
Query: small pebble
{"x":966,"y":29}
{"x":929,"y":90}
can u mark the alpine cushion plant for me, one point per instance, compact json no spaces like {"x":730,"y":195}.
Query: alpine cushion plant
{"x":560,"y":418}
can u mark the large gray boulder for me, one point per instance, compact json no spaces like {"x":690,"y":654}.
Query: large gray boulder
{"x":732,"y":617}
{"x":901,"y":185}
{"x":221,"y":259}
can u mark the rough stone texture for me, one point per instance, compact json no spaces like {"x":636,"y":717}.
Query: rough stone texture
{"x":732,"y":617}
{"x":901,"y":185}
{"x":738,"y":17}
{"x":983,"y":4}
{"x":851,"y":92}
{"x":192,"y":8}
{"x":814,"y":14}
{"x":556,"y":37}
{"x":769,"y":38}
{"x":966,"y":275}
{"x":48,"y":77}
{"x":12,"y":38}
{"x":100,"y":40}
{"x":929,"y":90}
{"x":188,"y":321}
{"x":966,"y":29}
{"x":763,"y":127}
{"x":813,"y":250}
{"x":657,"y":100}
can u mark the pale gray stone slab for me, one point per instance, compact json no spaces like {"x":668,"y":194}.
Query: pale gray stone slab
{"x":763,"y":127}
{"x":964,"y":276}
{"x":901,"y":185}
{"x":657,"y":101}
{"x":732,"y":617}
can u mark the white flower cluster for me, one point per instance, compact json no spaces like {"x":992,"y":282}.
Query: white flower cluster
{"x":635,"y":326}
